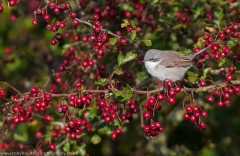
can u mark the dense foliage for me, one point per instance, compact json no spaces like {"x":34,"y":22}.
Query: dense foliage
{"x":72,"y":77}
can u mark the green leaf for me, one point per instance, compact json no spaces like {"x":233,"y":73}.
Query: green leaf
{"x":124,"y":94}
{"x":66,"y":147}
{"x":101,"y":81}
{"x":192,"y":77}
{"x":155,"y":1}
{"x":113,"y":41}
{"x":218,"y":16}
{"x":177,"y":26}
{"x":232,"y":43}
{"x":117,"y":70}
{"x":125,"y":23}
{"x":205,"y":72}
{"x":127,"y":7}
{"x":66,"y":46}
{"x":147,"y":42}
{"x":91,"y":113}
{"x":134,"y":34}
{"x":22,"y":138}
{"x":129,"y":56}
{"x":104,"y":128}
{"x":96,"y":139}
{"x":81,"y":149}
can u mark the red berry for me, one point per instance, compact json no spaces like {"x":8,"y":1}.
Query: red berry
{"x":72,"y":14}
{"x":168,"y":83}
{"x":204,"y":114}
{"x":171,"y":93}
{"x":84,"y":38}
{"x":177,"y":89}
{"x":146,"y":115}
{"x":160,"y":97}
{"x":188,"y":109}
{"x":73,"y":136}
{"x":47,"y":118}
{"x":202,"y":83}
{"x":95,"y":17}
{"x":52,"y":147}
{"x":75,"y":22}
{"x":34,"y":22}
{"x":2,"y":92}
{"x":53,"y":41}
{"x":1,"y":8}
{"x":234,"y":27}
{"x":46,"y":17}
{"x":171,"y":100}
{"x":186,"y":116}
{"x":122,"y":41}
{"x":195,"y":108}
{"x":220,"y":103}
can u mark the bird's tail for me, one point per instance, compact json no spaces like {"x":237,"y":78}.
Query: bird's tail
{"x":198,"y":52}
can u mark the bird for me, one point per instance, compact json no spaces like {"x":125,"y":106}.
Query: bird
{"x":168,"y":64}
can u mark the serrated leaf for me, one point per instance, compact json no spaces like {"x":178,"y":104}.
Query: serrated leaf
{"x":117,"y":70}
{"x":113,"y":41}
{"x":192,"y":77}
{"x":104,"y":128}
{"x":101,"y":81}
{"x":91,"y":113}
{"x":129,"y":56}
{"x":232,"y":43}
{"x":66,"y":147}
{"x":124,"y":94}
{"x":218,"y":16}
{"x":23,"y":137}
{"x":96,"y":139}
{"x":80,"y":150}
{"x":147,"y":42}
{"x":125,"y":23}
{"x":205,"y":72}
{"x":134,"y":34}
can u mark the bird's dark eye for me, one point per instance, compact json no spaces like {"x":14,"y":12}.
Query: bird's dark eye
{"x":152,"y":60}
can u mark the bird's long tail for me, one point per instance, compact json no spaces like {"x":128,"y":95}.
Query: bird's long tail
{"x":202,"y":50}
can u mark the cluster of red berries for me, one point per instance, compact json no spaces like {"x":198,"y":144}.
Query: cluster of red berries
{"x":2,"y":93}
{"x":130,"y":109}
{"x":115,"y":133}
{"x":151,"y":104}
{"x":56,"y":8}
{"x":79,"y":101}
{"x":10,"y":3}
{"x":194,"y":114}
{"x":184,"y":15}
{"x":153,"y":129}
{"x":108,"y":112}
{"x":169,"y":95}
{"x":75,"y":127}
{"x":224,"y":95}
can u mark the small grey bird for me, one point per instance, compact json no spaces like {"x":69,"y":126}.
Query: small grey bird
{"x":166,"y":64}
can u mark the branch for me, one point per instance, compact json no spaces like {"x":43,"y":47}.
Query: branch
{"x":104,"y":30}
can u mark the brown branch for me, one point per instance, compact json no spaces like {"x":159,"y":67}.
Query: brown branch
{"x":11,"y":87}
{"x":104,"y":30}
{"x":200,"y":89}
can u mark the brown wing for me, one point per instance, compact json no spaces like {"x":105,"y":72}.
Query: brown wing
{"x":173,"y":59}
